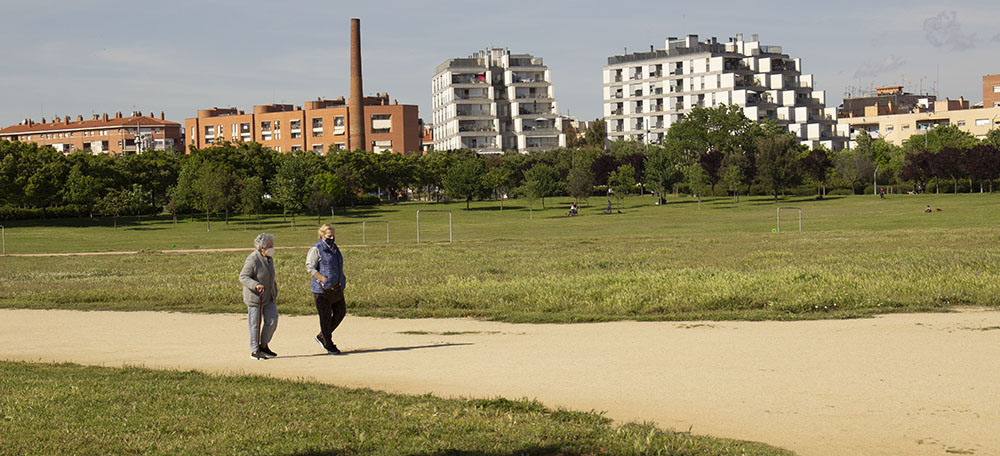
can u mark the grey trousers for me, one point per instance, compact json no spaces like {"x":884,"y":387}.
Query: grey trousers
{"x":269,"y":323}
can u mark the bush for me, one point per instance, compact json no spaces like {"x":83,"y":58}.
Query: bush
{"x":367,"y":200}
{"x":22,"y":213}
{"x":839,"y":191}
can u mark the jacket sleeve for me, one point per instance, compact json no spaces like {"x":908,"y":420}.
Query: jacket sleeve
{"x":248,"y":274}
{"x":312,"y":260}
{"x":343,"y":277}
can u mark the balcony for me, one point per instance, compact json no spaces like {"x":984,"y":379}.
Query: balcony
{"x":476,"y":126}
{"x":468,"y":79}
{"x":541,"y":143}
{"x":471,"y":96}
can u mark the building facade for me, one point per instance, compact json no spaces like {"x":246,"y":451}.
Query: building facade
{"x":494,"y":101}
{"x":991,"y":91}
{"x":885,"y":100}
{"x":320,"y":126}
{"x":646,"y":92}
{"x":101,"y":134}
{"x":897,"y":128}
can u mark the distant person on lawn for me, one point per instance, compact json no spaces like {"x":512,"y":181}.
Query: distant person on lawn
{"x":260,"y":294}
{"x":326,"y":265}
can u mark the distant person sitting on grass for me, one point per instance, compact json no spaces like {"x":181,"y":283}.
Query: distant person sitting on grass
{"x":573,"y":209}
{"x":260,"y":294}
{"x":927,"y":210}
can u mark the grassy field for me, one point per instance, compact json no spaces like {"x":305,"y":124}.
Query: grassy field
{"x":70,"y":409}
{"x":856,"y":256}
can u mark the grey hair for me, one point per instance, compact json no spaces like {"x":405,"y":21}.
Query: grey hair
{"x":261,"y":240}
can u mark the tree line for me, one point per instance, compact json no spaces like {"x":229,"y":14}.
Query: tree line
{"x":712,"y":151}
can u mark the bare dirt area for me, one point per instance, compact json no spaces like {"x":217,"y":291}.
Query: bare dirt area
{"x":913,"y":384}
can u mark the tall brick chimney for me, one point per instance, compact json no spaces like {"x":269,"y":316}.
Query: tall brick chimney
{"x":356,"y":106}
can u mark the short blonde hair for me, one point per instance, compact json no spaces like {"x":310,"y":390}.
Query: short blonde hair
{"x":324,"y":227}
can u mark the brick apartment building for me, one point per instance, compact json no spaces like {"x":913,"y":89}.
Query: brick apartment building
{"x":321,"y":125}
{"x":100,"y":134}
{"x":991,"y":91}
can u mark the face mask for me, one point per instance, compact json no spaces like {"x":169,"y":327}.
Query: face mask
{"x":269,"y":252}
{"x":329,"y":242}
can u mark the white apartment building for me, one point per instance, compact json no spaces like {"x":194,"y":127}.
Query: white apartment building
{"x":494,"y":101}
{"x":646,"y":92}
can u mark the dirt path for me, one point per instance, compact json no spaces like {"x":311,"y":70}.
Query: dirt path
{"x":923,"y":384}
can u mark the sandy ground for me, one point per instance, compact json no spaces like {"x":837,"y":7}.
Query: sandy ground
{"x":923,"y":384}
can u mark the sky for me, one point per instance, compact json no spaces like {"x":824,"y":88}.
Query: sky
{"x":60,"y":58}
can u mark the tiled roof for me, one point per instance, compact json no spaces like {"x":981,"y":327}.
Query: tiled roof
{"x":145,"y":121}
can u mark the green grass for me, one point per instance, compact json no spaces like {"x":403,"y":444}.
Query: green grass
{"x":856,"y":256}
{"x":70,"y":409}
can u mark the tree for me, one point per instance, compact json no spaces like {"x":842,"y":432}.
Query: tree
{"x":853,"y":166}
{"x":602,"y":167}
{"x":83,"y":189}
{"x":993,"y":138}
{"x":982,"y":163}
{"x":465,"y":180}
{"x":777,"y":163}
{"x":540,"y":181}
{"x":947,"y":163}
{"x":917,"y":168}
{"x":580,"y":183}
{"x":251,"y":197}
{"x":622,"y":181}
{"x":723,"y":129}
{"x":663,"y":171}
{"x":817,"y":165}
{"x":219,"y":190}
{"x":325,"y":190}
{"x":697,"y":179}
{"x":735,"y":172}
{"x":290,"y":186}
{"x":595,"y":135}
{"x":113,"y":203}
{"x":501,"y":179}
{"x":938,"y":138}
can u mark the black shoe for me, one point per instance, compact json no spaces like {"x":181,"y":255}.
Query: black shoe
{"x":258,"y":355}
{"x":333,"y":350}
{"x":267,"y":351}
{"x":319,"y":340}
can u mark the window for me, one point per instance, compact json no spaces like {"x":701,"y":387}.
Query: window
{"x":317,"y":126}
{"x":996,"y":89}
{"x":889,"y":128}
{"x":318,"y":148}
{"x":296,"y":128}
{"x":982,"y":122}
{"x":961,"y":123}
{"x":906,"y":127}
{"x":340,"y":146}
{"x":338,"y":125}
{"x":380,"y":146}
{"x":266,"y":125}
{"x":296,"y":148}
{"x":381,"y":123}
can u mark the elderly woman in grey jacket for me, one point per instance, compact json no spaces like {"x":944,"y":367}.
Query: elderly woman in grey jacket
{"x":260,"y":292}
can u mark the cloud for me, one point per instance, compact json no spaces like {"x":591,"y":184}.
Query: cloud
{"x":870,"y":69}
{"x":944,"y":30}
{"x":996,"y":38}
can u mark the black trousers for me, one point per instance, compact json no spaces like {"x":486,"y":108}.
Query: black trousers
{"x":332,"y":308}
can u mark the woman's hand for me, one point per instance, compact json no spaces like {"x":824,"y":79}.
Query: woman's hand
{"x":259,"y":288}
